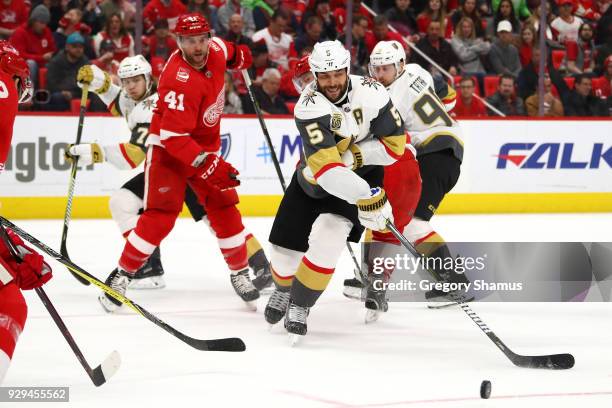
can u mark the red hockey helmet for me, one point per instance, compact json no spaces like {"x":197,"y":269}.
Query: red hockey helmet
{"x":12,"y":64}
{"x":301,"y":68}
{"x":191,"y":24}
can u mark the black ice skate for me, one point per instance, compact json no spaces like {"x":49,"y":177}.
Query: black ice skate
{"x":261,"y":269}
{"x":118,"y":280}
{"x":295,"y":322}
{"x":277,"y":306}
{"x":375,"y":302}
{"x":150,"y":276}
{"x":353,"y":288}
{"x":241,"y":282}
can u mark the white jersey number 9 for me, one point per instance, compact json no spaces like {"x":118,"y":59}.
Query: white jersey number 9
{"x":3,"y":90}
{"x":174,"y":101}
{"x":429,"y":109}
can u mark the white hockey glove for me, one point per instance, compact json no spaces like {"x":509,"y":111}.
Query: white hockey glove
{"x":98,"y":80}
{"x":375,"y":210}
{"x":352,"y":158}
{"x":87,"y":153}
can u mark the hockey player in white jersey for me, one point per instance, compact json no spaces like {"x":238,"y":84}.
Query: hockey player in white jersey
{"x":350,"y":130}
{"x":135,"y":101}
{"x":435,"y":135}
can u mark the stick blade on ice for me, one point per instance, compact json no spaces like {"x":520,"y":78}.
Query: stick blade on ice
{"x":107,"y":369}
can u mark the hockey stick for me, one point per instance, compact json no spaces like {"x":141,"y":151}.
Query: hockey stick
{"x":279,"y":173}
{"x":551,"y":361}
{"x":224,"y":344}
{"x":264,"y":128}
{"x":98,"y":375}
{"x":73,"y":170}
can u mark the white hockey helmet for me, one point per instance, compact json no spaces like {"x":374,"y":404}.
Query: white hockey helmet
{"x":329,"y":56}
{"x":386,"y":53}
{"x":134,"y":66}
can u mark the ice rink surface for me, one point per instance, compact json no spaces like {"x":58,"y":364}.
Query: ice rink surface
{"x":411,"y":357}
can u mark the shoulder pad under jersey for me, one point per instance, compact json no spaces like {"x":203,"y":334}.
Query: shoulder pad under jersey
{"x":312,"y":104}
{"x":368,"y":91}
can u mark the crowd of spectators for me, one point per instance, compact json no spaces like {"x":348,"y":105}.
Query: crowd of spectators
{"x":490,"y":48}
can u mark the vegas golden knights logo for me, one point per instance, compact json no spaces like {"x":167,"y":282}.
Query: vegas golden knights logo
{"x":336,"y":121}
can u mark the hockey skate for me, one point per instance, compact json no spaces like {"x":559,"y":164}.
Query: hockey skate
{"x":295,"y":322}
{"x":353,"y":288}
{"x":241,"y":282}
{"x":261,"y":269}
{"x":375,"y":303}
{"x":151,"y":275}
{"x":276,"y":307}
{"x":118,"y":280}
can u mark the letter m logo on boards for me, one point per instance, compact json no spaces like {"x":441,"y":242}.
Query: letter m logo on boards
{"x":554,"y":156}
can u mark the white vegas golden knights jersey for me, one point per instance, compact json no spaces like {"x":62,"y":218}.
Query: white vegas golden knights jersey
{"x":365,"y":118}
{"x":425,"y":118}
{"x":138,"y":115}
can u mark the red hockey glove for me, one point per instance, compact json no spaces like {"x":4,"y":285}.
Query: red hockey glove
{"x":30,"y":271}
{"x":242,"y":58}
{"x":217,"y":172}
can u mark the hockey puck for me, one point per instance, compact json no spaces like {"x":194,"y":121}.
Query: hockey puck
{"x":485,"y":389}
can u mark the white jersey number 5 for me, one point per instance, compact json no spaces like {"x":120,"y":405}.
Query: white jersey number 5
{"x":3,"y":90}
{"x":172,"y":98}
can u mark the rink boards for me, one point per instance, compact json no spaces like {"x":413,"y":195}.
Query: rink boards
{"x":509,"y":166}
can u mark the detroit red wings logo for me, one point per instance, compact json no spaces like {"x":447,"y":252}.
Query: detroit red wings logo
{"x":214,"y":111}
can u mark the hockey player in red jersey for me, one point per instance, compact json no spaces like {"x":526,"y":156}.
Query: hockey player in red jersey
{"x":184,"y":140}
{"x":29,"y":271}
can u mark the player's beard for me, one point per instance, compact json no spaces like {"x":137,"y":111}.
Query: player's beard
{"x":334,"y":93}
{"x":197,"y":59}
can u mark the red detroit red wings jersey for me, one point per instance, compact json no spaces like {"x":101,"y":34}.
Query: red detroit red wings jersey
{"x":191,"y":103}
{"x":8,"y":110}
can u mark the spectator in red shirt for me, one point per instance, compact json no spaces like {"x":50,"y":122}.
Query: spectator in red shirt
{"x":434,"y":11}
{"x":161,"y":44}
{"x":13,"y":13}
{"x":162,"y":9}
{"x":34,"y":41}
{"x":115,"y":31}
{"x":527,"y":42}
{"x":381,"y":32}
{"x":604,"y":91}
{"x":467,"y":104}
{"x":580,"y":53}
